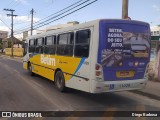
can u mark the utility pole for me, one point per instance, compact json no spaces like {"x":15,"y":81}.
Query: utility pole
{"x":125,"y":9}
{"x":32,"y":12}
{"x":12,"y":15}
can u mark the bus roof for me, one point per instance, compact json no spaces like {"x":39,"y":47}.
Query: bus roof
{"x":85,"y":25}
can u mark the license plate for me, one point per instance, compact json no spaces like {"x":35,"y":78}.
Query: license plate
{"x":125,"y":85}
{"x":124,"y":74}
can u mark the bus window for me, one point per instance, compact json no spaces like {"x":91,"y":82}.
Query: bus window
{"x":49,"y":40}
{"x":39,"y":45}
{"x":65,"y":44}
{"x":50,"y":45}
{"x":31,"y":46}
{"x":40,"y":41}
{"x":82,"y":43}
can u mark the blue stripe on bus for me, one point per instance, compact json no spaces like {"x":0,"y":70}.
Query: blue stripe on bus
{"x":79,"y":66}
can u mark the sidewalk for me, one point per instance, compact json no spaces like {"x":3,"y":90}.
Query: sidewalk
{"x":20,"y":59}
{"x":152,"y":90}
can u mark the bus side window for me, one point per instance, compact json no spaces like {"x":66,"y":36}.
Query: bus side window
{"x":65,"y":44}
{"x":50,"y":46}
{"x":31,"y":46}
{"x":82,"y":43}
{"x":39,"y":45}
{"x":53,"y":46}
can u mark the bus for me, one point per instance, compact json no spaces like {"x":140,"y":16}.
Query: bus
{"x":99,"y":56}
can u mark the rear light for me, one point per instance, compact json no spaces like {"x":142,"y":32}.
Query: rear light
{"x":98,"y":72}
{"x":97,"y":67}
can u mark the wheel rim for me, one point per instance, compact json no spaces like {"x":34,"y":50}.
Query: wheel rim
{"x":30,"y":68}
{"x":59,"y":81}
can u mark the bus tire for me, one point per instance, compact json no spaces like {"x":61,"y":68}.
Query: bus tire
{"x":59,"y":81}
{"x":30,"y":69}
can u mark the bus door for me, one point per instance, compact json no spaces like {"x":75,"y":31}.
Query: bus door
{"x":82,"y":51}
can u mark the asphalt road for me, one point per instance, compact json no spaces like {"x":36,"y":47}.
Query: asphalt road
{"x":21,"y":92}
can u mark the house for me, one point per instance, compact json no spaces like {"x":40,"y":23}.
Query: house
{"x":3,"y":34}
{"x":16,"y":43}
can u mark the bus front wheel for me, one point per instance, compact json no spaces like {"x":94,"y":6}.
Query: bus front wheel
{"x":30,"y":69}
{"x":59,"y":81}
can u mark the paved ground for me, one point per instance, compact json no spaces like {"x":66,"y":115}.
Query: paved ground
{"x":152,"y":89}
{"x":21,"y":92}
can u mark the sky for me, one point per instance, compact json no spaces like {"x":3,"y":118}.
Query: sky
{"x":143,"y":10}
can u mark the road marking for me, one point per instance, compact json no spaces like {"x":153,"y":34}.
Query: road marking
{"x":44,"y":95}
{"x":16,"y":71}
{"x":9,"y":68}
{"x":37,"y":84}
{"x":34,"y":85}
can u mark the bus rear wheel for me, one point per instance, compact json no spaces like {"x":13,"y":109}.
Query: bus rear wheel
{"x":30,"y":69}
{"x":59,"y":81}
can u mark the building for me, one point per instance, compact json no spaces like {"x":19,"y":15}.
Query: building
{"x":3,"y":34}
{"x":155,"y":53}
{"x":155,"y":30}
{"x":7,"y":43}
{"x":155,"y":38}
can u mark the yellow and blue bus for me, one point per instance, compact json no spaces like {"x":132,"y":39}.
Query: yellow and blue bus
{"x":98,"y":56}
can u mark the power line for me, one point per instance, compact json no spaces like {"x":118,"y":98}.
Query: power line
{"x":24,"y":29}
{"x":11,"y":2}
{"x":27,"y":27}
{"x":18,"y":23}
{"x":66,"y":14}
{"x":15,"y":3}
{"x":5,"y":24}
{"x":63,"y":12}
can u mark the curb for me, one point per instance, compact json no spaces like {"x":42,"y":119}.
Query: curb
{"x":18,"y":59}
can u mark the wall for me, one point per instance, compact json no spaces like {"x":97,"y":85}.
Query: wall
{"x":16,"y":51}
